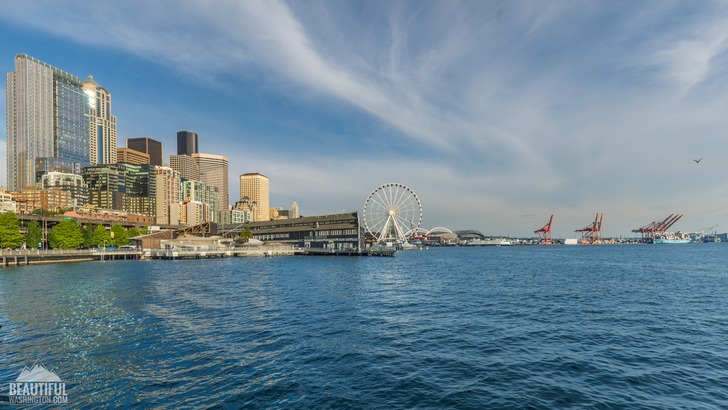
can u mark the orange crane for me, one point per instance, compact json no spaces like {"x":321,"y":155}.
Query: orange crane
{"x":544,"y":234}
{"x":657,"y":228}
{"x":592,"y":234}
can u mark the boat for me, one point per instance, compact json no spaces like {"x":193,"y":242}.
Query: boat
{"x":488,"y":242}
{"x":670,"y":237}
{"x":662,"y":240}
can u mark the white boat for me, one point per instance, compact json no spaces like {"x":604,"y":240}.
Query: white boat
{"x":669,"y":237}
{"x":488,"y":242}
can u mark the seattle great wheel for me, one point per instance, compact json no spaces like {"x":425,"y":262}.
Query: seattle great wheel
{"x":391,"y":211}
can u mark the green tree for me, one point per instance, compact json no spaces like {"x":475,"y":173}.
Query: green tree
{"x":119,"y":236}
{"x":88,"y":233}
{"x":246,"y":234}
{"x":100,"y":237}
{"x":66,"y":235}
{"x":10,"y":236}
{"x":33,"y":234}
{"x":132,"y":232}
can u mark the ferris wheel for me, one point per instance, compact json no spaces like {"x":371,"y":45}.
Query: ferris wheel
{"x":390,"y":211}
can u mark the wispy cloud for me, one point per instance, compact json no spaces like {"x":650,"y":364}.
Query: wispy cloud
{"x":687,"y":60}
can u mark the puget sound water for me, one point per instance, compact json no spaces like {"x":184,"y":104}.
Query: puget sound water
{"x":622,"y":326}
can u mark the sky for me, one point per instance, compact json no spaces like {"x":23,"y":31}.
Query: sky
{"x":496,"y":113}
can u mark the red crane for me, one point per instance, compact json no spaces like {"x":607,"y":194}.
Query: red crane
{"x":593,"y":233}
{"x":544,"y":233}
{"x":657,"y":228}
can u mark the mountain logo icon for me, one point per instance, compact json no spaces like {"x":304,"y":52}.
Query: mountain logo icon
{"x":37,"y":373}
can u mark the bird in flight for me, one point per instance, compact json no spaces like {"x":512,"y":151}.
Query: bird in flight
{"x":697,"y":161}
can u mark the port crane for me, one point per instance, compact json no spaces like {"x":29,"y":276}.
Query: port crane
{"x":544,"y":234}
{"x":657,"y":228}
{"x":592,"y":234}
{"x":702,"y":231}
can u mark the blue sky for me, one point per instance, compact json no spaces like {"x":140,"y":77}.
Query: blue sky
{"x":497,"y":113}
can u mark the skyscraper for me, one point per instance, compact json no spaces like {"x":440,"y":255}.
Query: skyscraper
{"x":106,"y":185}
{"x":147,"y":146}
{"x":46,"y":118}
{"x":214,"y":171}
{"x":122,"y":187}
{"x":294,"y":210}
{"x":102,"y":123}
{"x":131,"y":156}
{"x":254,"y":186}
{"x":185,"y":165}
{"x":71,"y":183}
{"x":167,"y":195}
{"x":187,"y":143}
{"x":198,"y":191}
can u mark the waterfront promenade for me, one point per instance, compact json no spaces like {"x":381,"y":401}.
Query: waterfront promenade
{"x":35,"y":257}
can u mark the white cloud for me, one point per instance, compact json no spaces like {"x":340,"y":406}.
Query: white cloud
{"x":688,"y":60}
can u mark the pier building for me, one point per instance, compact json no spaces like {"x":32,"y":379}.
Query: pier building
{"x":336,"y":232}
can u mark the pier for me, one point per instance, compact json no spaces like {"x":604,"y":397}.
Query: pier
{"x":36,"y":257}
{"x":259,"y":251}
{"x":348,"y":252}
{"x":175,"y":253}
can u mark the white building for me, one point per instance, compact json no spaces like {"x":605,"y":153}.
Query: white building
{"x":102,"y":123}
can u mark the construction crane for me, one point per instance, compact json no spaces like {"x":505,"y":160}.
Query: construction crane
{"x":544,"y":234}
{"x":592,"y":234}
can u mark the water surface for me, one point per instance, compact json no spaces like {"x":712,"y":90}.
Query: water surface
{"x":604,"y":326}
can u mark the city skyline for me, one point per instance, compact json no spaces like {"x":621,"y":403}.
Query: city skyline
{"x":497,"y":114}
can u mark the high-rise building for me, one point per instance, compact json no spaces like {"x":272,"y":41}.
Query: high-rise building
{"x":71,"y":183}
{"x":254,"y":186}
{"x":46,"y":118}
{"x":198,"y":191}
{"x":106,"y":185}
{"x":239,"y":216}
{"x":140,"y":189}
{"x":131,"y":156}
{"x":294,"y":210}
{"x":244,"y":210}
{"x":122,"y":187}
{"x":102,"y":123}
{"x":214,"y":171}
{"x":192,"y":212}
{"x":185,"y":165}
{"x":187,"y":143}
{"x":148,"y":146}
{"x":45,"y":165}
{"x":168,"y":195}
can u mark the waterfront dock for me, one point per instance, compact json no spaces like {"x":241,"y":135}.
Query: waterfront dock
{"x":36,"y":257}
{"x":177,"y":253}
{"x":347,"y":252}
{"x":261,"y":251}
